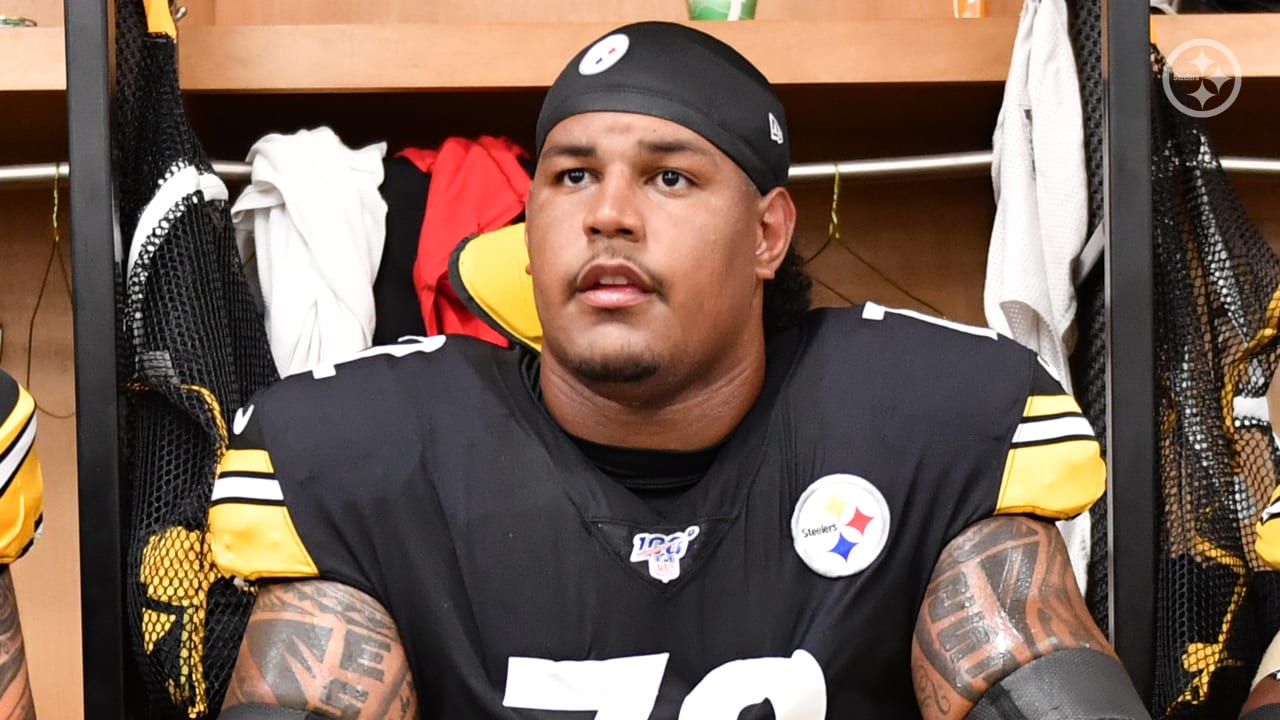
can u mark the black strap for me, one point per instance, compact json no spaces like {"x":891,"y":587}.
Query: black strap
{"x":1265,"y":712}
{"x":1076,"y":684}
{"x":258,"y":711}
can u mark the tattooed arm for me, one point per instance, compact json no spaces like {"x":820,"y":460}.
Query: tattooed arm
{"x":15,"y":686}
{"x":325,"y":648}
{"x":1002,"y":595}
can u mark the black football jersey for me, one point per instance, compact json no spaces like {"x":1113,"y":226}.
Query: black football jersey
{"x":525,"y":583}
{"x":21,"y":484}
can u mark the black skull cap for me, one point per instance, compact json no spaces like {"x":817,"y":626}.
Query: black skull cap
{"x":680,"y":74}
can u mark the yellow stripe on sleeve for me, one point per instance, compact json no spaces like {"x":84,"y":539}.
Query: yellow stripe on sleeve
{"x":1042,"y":405}
{"x":1268,"y":543}
{"x":12,"y":426}
{"x":23,"y":498}
{"x":20,"y":508}
{"x":1055,"y":480}
{"x":255,"y":541}
{"x":255,"y":461}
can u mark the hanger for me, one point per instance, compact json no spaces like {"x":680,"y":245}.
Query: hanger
{"x":833,"y":236}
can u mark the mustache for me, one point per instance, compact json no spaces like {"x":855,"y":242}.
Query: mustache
{"x":655,"y":278}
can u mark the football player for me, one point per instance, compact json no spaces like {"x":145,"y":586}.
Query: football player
{"x":699,"y":500}
{"x":21,"y":498}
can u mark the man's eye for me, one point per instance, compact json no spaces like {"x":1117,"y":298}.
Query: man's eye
{"x":672,"y":179}
{"x":576,"y":176}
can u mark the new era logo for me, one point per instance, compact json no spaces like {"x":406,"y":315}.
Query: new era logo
{"x":775,"y":130}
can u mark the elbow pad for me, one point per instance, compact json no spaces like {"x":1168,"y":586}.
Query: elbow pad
{"x":258,"y":711}
{"x":1076,"y":684}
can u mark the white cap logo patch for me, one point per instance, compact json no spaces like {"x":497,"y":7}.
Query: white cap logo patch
{"x":604,"y":54}
{"x":775,"y":130}
{"x":840,"y":525}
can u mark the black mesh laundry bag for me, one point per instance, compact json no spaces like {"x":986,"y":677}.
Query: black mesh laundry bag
{"x":1216,"y":285}
{"x":1217,"y":309}
{"x":1089,"y":357}
{"x":193,"y":349}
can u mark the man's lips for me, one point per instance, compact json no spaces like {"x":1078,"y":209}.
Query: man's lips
{"x":613,"y":273}
{"x":613,"y":297}
{"x":613,"y":286}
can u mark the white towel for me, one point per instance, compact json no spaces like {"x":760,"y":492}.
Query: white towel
{"x":1039,"y":176}
{"x":317,"y":223}
{"x":1041,"y":189}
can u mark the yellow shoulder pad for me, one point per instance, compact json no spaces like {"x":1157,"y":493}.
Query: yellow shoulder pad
{"x":492,"y":281}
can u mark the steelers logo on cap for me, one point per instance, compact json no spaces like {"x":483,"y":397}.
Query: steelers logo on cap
{"x":840,"y":525}
{"x":604,"y":54}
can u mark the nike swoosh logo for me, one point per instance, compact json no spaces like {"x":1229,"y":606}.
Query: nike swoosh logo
{"x":1271,"y":512}
{"x":241,"y":419}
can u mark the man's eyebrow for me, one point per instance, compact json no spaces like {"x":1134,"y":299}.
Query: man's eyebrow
{"x":673,"y":147}
{"x":585,"y":152}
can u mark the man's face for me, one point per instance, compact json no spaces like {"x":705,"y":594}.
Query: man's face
{"x":643,"y":241}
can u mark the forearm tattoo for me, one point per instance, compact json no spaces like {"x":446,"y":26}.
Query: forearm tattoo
{"x":326,"y":648}
{"x":15,"y":685}
{"x":1002,"y":595}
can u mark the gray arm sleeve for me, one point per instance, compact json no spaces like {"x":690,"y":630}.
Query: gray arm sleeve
{"x":258,"y":711}
{"x":1265,"y":712}
{"x":1077,"y":684}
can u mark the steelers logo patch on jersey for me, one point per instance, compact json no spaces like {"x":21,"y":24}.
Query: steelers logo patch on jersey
{"x":840,"y":525}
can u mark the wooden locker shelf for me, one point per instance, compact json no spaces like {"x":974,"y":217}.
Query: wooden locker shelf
{"x":33,"y":84}
{"x":32,"y":59}
{"x":1251,"y":37}
{"x":357,"y":58}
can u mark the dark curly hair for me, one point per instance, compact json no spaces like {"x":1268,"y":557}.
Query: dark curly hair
{"x":786,"y":296}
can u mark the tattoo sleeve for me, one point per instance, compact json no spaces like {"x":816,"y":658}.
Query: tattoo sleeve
{"x":15,"y":685}
{"x":1002,"y":594}
{"x":326,"y":648}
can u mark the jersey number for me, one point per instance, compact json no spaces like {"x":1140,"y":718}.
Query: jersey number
{"x":406,"y":345}
{"x":627,"y":688}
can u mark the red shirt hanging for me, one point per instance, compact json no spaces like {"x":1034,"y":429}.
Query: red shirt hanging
{"x":476,"y":186}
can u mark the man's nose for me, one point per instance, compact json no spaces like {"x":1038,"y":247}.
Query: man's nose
{"x":614,"y":210}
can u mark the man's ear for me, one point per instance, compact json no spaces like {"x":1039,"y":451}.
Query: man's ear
{"x":777,"y":224}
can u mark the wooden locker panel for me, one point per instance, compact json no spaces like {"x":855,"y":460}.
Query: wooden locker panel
{"x":302,"y":12}
{"x":46,"y":13}
{"x":891,"y":252}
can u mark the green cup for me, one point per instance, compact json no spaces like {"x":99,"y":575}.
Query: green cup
{"x":721,"y":9}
